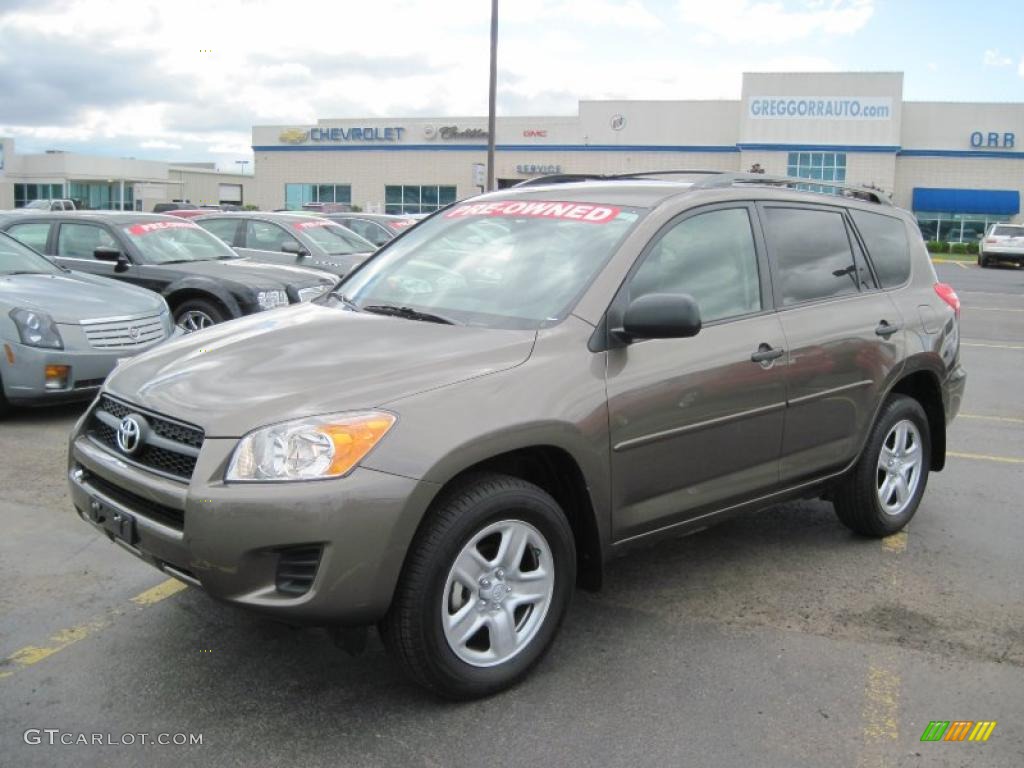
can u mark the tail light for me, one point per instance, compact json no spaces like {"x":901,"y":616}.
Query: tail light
{"x":991,"y":240}
{"x":948,"y":295}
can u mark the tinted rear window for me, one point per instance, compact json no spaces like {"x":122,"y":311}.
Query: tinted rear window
{"x":1005,"y":231}
{"x":812,"y":251}
{"x":888,"y":248}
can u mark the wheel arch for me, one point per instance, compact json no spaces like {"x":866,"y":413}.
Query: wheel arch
{"x":555,"y":470}
{"x":923,"y":385}
{"x":186,"y":290}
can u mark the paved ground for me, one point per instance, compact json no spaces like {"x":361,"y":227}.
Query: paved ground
{"x":774,"y":640}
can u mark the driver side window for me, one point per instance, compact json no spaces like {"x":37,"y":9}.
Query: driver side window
{"x":264,"y":236}
{"x":711,"y":257}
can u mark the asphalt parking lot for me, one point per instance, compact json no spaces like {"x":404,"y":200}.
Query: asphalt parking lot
{"x":778,"y":639}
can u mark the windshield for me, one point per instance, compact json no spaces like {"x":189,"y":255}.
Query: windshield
{"x":38,"y":205}
{"x":506,"y":264}
{"x":168,"y":242}
{"x":18,"y":259}
{"x":334,"y":238}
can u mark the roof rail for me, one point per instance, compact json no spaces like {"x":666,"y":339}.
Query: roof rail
{"x":729,"y":178}
{"x":716,"y":179}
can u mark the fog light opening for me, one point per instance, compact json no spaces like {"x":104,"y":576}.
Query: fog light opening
{"x":57,"y":376}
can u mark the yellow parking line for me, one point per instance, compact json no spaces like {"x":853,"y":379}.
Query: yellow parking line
{"x":33,"y":654}
{"x":1009,"y":419}
{"x":896,"y":543}
{"x":990,"y":346}
{"x":985,"y":457}
{"x":159,"y":592}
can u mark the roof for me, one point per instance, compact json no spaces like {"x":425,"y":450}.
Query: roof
{"x":110,"y":217}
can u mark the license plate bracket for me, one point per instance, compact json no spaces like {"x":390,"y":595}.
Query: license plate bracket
{"x":120,"y":525}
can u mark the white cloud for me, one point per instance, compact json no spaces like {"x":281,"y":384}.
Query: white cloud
{"x":1020,"y":67}
{"x":993,"y":58}
{"x":772,"y":21}
{"x":159,"y":144}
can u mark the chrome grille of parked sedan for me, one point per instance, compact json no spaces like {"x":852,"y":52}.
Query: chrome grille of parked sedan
{"x":167,"y":447}
{"x":124,"y":333}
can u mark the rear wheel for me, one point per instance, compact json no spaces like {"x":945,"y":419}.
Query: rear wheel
{"x":195,"y":314}
{"x":882,"y":492}
{"x":485,"y":587}
{"x":982,"y":261}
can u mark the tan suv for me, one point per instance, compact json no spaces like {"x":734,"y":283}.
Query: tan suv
{"x":521,"y":387}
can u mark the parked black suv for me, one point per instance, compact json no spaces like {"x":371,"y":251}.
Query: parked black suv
{"x":202,"y":279}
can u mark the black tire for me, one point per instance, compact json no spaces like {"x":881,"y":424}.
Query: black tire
{"x":194,"y":307}
{"x":5,"y":407}
{"x":412,"y":629}
{"x":856,"y":498}
{"x":982,"y":261}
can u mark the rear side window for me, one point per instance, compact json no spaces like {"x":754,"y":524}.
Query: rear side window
{"x":225,"y":229}
{"x":264,"y":236}
{"x":812,"y":254}
{"x":33,"y":235}
{"x":888,"y":248}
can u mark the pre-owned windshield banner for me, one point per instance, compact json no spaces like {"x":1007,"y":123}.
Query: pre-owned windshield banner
{"x":156,"y":226}
{"x":538,"y":209}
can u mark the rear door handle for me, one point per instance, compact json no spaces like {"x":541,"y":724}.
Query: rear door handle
{"x":765,"y":354}
{"x":885,"y":330}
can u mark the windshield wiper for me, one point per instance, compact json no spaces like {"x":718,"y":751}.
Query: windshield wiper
{"x":407,"y":312}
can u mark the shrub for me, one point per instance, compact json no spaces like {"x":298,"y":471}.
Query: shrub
{"x":972,"y":247}
{"x":937,"y":246}
{"x":958,"y":248}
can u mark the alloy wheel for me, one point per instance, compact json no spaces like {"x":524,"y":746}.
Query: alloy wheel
{"x":194,"y":320}
{"x":899,"y":467}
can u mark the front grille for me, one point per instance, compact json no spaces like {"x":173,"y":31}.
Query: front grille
{"x":161,"y":513}
{"x":296,"y":569}
{"x":170,"y":448}
{"x":124,"y":333}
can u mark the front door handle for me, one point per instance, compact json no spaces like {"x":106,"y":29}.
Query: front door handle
{"x":765,"y":354}
{"x":885,"y":330}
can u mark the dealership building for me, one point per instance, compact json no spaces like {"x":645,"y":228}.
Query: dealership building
{"x":958,"y":166}
{"x":98,"y":182}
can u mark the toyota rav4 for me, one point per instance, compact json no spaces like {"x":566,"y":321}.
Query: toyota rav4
{"x":521,"y":387}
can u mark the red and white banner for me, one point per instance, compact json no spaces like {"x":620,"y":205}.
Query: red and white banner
{"x":310,"y":224}
{"x":538,"y":209}
{"x":154,"y":226}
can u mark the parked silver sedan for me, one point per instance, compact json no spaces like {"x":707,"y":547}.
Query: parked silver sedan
{"x":62,"y":332}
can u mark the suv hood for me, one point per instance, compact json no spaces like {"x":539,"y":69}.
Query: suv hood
{"x":306,"y":360}
{"x":72,"y":298}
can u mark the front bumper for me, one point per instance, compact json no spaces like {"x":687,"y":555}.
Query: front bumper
{"x":24,"y":380}
{"x":233,"y":539}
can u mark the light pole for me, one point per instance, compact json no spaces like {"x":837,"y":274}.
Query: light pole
{"x":491,"y":95}
{"x":242,"y":163}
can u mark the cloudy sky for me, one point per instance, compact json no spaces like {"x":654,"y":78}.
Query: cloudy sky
{"x":185,"y":80}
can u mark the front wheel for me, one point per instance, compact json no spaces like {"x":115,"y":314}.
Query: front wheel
{"x":883,"y":490}
{"x":195,"y":314}
{"x":485,"y":587}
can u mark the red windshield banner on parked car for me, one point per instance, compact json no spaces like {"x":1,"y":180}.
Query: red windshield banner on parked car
{"x":308,"y":224}
{"x":155,"y":226}
{"x":539,"y":209}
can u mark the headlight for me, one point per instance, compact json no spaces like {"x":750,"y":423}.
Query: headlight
{"x":313,"y":292}
{"x":36,"y":329}
{"x":308,"y":449}
{"x":271,"y":299}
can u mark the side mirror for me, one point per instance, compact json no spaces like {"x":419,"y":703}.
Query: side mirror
{"x":293,"y":247}
{"x":106,"y":253}
{"x":660,"y":316}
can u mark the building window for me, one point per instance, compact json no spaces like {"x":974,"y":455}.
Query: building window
{"x":297,"y":195}
{"x":26,"y":193}
{"x":101,"y":196}
{"x":956,"y":227}
{"x":827,"y":166}
{"x":417,"y":199}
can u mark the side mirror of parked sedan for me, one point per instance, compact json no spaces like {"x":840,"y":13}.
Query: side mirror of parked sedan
{"x":660,"y":316}
{"x":295,"y":248}
{"x":106,"y":253}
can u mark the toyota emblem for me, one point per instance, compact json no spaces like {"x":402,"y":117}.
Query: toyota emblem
{"x":129,"y":434}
